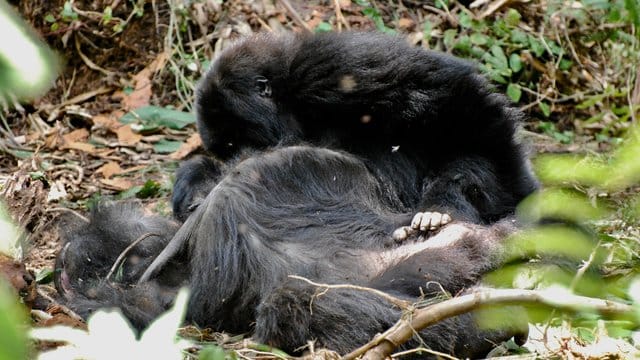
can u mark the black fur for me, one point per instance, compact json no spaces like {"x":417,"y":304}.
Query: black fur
{"x":91,"y":249}
{"x":409,"y":113}
{"x":392,"y":130}
{"x":316,"y":213}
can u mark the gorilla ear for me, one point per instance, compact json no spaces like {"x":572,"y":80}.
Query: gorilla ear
{"x":263,"y":86}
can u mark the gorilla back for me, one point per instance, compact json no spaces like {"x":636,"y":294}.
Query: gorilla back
{"x":306,"y":211}
{"x":406,"y":111}
{"x":321,"y":214}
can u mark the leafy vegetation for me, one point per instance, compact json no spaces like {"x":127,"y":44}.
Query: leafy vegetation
{"x":571,"y":65}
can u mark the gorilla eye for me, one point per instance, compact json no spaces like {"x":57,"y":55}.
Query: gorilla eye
{"x":263,"y":87}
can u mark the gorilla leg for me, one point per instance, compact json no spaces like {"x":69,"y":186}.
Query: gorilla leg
{"x":343,"y":319}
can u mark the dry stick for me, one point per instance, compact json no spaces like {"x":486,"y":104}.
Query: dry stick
{"x":88,"y":61}
{"x":63,"y":308}
{"x":340,"y":17}
{"x":395,"y":301}
{"x":383,"y":345}
{"x":294,"y":15}
{"x":124,"y":253}
{"x":77,"y":214}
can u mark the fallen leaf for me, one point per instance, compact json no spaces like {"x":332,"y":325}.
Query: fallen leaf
{"x":141,"y":93}
{"x":126,"y":136}
{"x":192,"y":143}
{"x":109,"y":169}
{"x":117,"y":183}
{"x":76,"y":135}
{"x":405,"y":23}
{"x":108,"y":122}
{"x":88,"y":148}
{"x":52,"y":141}
{"x":134,"y":168}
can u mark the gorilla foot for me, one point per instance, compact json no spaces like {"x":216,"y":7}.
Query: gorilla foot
{"x":422,"y":222}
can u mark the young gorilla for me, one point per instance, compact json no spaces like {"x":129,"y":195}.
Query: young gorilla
{"x":90,"y":250}
{"x":320,"y":214}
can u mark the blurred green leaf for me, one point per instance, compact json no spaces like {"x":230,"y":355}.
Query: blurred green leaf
{"x":514,"y":92}
{"x":552,"y":240}
{"x":323,"y":27}
{"x":479,"y":39}
{"x":513,"y":17}
{"x":544,"y":107}
{"x":148,"y":190}
{"x":212,"y":352}
{"x":154,"y":116}
{"x":166,"y":146}
{"x":12,"y":325}
{"x":515,"y":63}
{"x":44,"y":276}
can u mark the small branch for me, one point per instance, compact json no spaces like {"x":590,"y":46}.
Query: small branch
{"x":124,"y":253}
{"x":62,"y":308}
{"x":88,"y":61}
{"x":77,"y":214}
{"x":403,"y":304}
{"x":383,"y":345}
{"x":294,"y":15}
{"x":339,"y":17}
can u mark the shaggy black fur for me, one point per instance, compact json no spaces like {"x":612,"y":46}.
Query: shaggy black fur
{"x":391,"y":130}
{"x":90,"y":250}
{"x":323,"y":215}
{"x":409,"y":113}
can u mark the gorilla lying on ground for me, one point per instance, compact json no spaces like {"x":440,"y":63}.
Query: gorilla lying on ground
{"x":306,"y":211}
{"x":392,"y":131}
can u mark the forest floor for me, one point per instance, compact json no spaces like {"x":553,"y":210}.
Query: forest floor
{"x":119,"y":118}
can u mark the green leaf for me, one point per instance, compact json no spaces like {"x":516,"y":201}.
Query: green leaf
{"x":211,"y":352}
{"x":463,"y":44}
{"x":166,"y":146}
{"x":12,"y":320}
{"x":44,"y":276}
{"x":128,"y":194}
{"x":150,"y":116}
{"x":500,"y":57}
{"x":465,"y":20}
{"x":513,"y":17}
{"x":50,"y":18}
{"x":515,"y":63}
{"x":565,"y":64}
{"x":544,"y":107}
{"x":514,"y":92}
{"x":519,"y":37}
{"x":426,"y":30}
{"x":634,"y":11}
{"x":107,"y":15}
{"x":67,"y":12}
{"x":479,"y":39}
{"x":323,"y":27}
{"x":449,"y":38}
{"x":149,"y":189}
{"x":536,"y":46}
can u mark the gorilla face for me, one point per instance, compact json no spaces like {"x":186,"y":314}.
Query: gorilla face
{"x":237,"y":103}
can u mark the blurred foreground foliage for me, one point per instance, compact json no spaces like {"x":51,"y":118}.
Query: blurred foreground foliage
{"x":587,"y":241}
